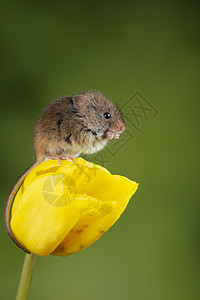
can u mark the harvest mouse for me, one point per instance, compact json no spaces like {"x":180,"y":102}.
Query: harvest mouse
{"x":68,"y":127}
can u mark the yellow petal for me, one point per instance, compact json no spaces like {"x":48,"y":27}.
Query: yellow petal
{"x":91,"y":226}
{"x":43,"y":210}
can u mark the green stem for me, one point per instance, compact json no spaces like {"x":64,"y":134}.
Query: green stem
{"x":25,"y":280}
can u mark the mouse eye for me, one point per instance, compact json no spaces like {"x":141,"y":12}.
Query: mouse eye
{"x":107,"y":115}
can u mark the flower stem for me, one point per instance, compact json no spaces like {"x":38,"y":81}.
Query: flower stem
{"x":25,"y":280}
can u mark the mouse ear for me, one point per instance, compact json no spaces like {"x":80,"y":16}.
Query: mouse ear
{"x":81,"y":100}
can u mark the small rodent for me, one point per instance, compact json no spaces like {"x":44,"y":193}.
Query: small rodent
{"x":68,"y":127}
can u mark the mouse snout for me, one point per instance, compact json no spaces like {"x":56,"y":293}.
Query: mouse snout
{"x":114,"y":131}
{"x":122,"y":128}
{"x":118,"y":128}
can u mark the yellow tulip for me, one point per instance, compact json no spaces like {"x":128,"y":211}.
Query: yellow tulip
{"x":62,"y":209}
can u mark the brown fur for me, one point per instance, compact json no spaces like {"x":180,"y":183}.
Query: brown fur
{"x":74,"y":125}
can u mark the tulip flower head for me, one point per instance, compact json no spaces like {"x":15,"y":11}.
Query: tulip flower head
{"x":62,"y":209}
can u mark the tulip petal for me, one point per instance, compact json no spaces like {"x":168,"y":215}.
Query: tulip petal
{"x":40,"y":218}
{"x":90,"y":227}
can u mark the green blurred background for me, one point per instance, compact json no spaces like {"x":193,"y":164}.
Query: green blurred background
{"x":58,"y":48}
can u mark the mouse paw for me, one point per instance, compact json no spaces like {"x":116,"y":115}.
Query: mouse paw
{"x":60,"y":157}
{"x":110,"y":135}
{"x":68,"y":157}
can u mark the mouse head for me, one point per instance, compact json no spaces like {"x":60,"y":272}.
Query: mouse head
{"x":101,"y":117}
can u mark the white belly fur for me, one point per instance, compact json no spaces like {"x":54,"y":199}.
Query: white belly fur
{"x":94,"y":149}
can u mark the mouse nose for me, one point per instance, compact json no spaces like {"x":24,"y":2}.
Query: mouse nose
{"x":122,"y":128}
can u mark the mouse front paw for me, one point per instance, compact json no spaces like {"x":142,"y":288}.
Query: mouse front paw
{"x":110,"y":135}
